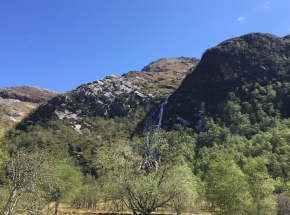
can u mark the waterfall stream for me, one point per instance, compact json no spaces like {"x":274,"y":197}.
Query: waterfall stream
{"x":158,"y":120}
{"x":201,"y":114}
{"x":150,"y":121}
{"x":160,"y":115}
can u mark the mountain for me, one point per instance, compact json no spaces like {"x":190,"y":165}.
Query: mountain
{"x":252,"y":70}
{"x":119,"y":96}
{"x":225,"y":118}
{"x":27,"y":94}
{"x":19,"y":101}
{"x":176,"y":65}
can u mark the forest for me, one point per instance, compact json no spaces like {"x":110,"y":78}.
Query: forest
{"x":239,"y":163}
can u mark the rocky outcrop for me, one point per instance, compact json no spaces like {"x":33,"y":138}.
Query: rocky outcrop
{"x":225,"y":67}
{"x":120,"y":95}
{"x":256,"y":53}
{"x":15,"y":110}
{"x":113,"y":95}
{"x":19,"y":101}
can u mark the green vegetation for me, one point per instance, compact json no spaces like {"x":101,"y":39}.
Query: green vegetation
{"x":239,"y":163}
{"x":234,"y":172}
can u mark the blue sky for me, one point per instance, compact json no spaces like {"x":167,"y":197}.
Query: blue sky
{"x":61,"y":44}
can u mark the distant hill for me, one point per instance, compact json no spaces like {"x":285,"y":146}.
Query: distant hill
{"x":26,"y":93}
{"x":18,"y":101}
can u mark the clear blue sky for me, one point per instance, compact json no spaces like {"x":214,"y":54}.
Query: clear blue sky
{"x":61,"y":44}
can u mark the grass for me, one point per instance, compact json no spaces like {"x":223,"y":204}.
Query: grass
{"x":110,"y":209}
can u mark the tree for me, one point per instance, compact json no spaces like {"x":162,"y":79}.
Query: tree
{"x":89,"y":194}
{"x":23,"y":172}
{"x":184,"y":201}
{"x":144,"y":192}
{"x":261,"y":186}
{"x":143,"y":187}
{"x":66,"y":185}
{"x":226,"y":187}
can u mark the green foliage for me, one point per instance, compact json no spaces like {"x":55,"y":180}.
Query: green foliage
{"x":89,"y":195}
{"x":24,"y":172}
{"x":227,"y":190}
{"x":66,"y":184}
{"x":242,"y":156}
{"x":261,"y":186}
{"x":4,"y":124}
{"x":173,"y":186}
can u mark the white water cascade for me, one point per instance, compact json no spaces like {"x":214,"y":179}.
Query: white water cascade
{"x":151,"y":154}
{"x":158,"y":120}
{"x":160,"y":115}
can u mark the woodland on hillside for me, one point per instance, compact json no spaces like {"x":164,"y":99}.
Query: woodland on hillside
{"x":238,"y":165}
{"x":236,"y":162}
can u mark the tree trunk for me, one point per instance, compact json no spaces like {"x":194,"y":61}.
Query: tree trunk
{"x":11,"y":203}
{"x":134,"y":212}
{"x":146,"y":212}
{"x":56,"y":207}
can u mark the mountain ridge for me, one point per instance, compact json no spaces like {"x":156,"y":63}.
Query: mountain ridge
{"x":18,"y":101}
{"x":254,"y":57}
{"x":119,"y":96}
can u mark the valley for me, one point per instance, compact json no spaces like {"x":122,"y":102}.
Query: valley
{"x":184,"y":135}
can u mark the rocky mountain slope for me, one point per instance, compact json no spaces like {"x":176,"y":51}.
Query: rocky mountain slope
{"x":119,"y":95}
{"x":19,"y":101}
{"x":26,"y":94}
{"x":252,"y":62}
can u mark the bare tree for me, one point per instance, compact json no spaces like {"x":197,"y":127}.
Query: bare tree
{"x":23,"y":171}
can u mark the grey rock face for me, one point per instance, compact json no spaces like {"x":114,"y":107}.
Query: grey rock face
{"x":112,"y":96}
{"x":119,"y":95}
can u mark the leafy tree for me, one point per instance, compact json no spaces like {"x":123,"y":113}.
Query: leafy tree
{"x":144,"y":185}
{"x":66,"y":185}
{"x":184,"y":201}
{"x":261,"y":186}
{"x":145,"y":192}
{"x":89,"y":194}
{"x":227,"y":190}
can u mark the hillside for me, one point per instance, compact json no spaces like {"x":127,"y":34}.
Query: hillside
{"x":119,"y":96}
{"x":249,"y":68}
{"x":184,"y":134}
{"x":17,"y":102}
{"x":26,"y":94}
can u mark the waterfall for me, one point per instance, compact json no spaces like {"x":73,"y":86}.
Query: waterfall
{"x":201,"y":115}
{"x":160,"y":115}
{"x":151,"y":120}
{"x":158,"y":120}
